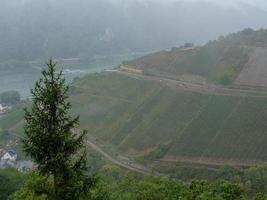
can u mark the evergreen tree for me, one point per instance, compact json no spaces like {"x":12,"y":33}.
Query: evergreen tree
{"x":52,"y":138}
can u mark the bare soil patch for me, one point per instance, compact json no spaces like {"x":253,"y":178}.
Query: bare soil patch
{"x":254,"y":72}
{"x":210,"y":161}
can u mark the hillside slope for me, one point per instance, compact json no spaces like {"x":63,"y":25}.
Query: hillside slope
{"x":148,"y":118}
{"x":140,"y":116}
{"x":235,"y":59}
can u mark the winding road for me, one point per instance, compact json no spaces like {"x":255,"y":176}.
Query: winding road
{"x":132,"y":167}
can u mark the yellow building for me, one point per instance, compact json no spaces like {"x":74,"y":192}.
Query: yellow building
{"x":130,"y":69}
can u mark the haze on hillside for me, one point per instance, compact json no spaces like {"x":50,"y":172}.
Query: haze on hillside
{"x":38,"y":29}
{"x":171,"y":95}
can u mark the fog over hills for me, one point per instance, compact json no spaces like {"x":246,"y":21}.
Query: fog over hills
{"x":37,"y":29}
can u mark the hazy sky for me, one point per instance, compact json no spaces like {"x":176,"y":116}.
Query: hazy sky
{"x":76,"y":28}
{"x":258,"y":3}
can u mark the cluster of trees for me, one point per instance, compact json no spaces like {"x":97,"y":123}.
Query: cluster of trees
{"x":11,"y":180}
{"x":252,"y":179}
{"x":246,"y":37}
{"x":33,"y":186}
{"x":152,"y":188}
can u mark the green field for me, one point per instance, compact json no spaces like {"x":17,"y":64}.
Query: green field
{"x":139,"y":117}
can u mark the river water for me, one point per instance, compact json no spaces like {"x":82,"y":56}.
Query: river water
{"x":21,"y":76}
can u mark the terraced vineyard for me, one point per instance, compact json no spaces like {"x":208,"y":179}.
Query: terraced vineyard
{"x":228,"y":128}
{"x":139,"y":117}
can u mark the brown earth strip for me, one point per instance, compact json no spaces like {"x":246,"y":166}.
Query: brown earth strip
{"x":210,"y":161}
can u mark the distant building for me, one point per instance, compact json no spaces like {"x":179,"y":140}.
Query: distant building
{"x":7,"y":164}
{"x":1,"y":108}
{"x":4,"y":109}
{"x":10,"y":155}
{"x":24,"y":165}
{"x":9,"y":160}
{"x":130,"y":69}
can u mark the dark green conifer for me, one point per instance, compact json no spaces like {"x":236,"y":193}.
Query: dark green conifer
{"x":52,"y":138}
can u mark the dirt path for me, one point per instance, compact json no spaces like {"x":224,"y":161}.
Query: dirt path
{"x":130,"y":166}
{"x":187,"y":86}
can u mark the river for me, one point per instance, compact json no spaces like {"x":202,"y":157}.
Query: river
{"x":20,"y":76}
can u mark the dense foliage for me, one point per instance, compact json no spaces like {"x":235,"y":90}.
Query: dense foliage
{"x":115,"y":184}
{"x":10,"y":181}
{"x":36,"y":187}
{"x":228,"y":183}
{"x":252,"y":179}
